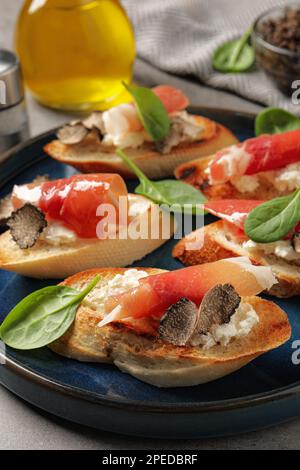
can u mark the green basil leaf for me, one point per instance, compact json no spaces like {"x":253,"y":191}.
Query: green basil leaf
{"x":172,"y":192}
{"x":151,"y":112}
{"x":43,"y":316}
{"x":168,"y":192}
{"x":273,"y":220}
{"x":275,"y":121}
{"x":235,"y":56}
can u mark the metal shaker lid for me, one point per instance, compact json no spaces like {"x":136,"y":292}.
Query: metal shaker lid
{"x":11,"y":83}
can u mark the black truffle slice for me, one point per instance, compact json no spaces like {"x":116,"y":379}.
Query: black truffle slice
{"x":217,"y":307}
{"x":26,"y":224}
{"x":179,"y":322}
{"x":6,"y":206}
{"x":95,"y":120}
{"x":72,"y":134}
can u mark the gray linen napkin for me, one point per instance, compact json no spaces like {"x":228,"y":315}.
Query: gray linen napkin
{"x":179,"y":37}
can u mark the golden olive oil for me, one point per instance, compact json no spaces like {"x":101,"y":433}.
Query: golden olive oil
{"x":75,"y":53}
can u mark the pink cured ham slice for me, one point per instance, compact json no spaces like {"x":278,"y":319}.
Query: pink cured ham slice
{"x":264,"y":153}
{"x":234,"y":211}
{"x":172,"y":98}
{"x":156,"y":293}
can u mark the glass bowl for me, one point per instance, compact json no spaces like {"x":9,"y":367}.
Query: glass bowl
{"x":280,"y":64}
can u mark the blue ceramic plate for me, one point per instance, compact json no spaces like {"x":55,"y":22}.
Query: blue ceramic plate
{"x":265,"y":392}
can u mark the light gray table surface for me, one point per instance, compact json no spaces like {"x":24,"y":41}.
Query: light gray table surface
{"x":24,"y":427}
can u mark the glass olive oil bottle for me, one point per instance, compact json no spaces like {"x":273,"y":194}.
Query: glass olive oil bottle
{"x":75,"y":53}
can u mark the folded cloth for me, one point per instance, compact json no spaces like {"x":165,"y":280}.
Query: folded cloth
{"x":179,"y":37}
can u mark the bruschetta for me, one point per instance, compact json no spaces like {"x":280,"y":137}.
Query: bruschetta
{"x":263,"y":168}
{"x":175,"y":328}
{"x":226,"y":238}
{"x":57,"y":228}
{"x":90,"y":145}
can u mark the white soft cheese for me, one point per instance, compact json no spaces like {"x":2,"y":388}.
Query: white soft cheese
{"x":234,"y":162}
{"x":57,"y":234}
{"x":130,"y":140}
{"x":27,"y":194}
{"x":119,"y":284}
{"x":284,"y":180}
{"x":122,"y":127}
{"x":240,"y":325}
{"x":282,"y":249}
{"x":245,"y":184}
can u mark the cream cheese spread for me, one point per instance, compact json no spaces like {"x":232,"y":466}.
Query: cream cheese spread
{"x":240,"y":325}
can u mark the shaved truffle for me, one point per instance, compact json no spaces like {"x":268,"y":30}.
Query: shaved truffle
{"x":179,"y":322}
{"x":95,"y":120}
{"x":217,"y":307}
{"x":26,"y":224}
{"x":72,"y":134}
{"x":6,"y":206}
{"x":77,"y":131}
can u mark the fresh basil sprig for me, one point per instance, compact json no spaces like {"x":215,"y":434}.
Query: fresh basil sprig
{"x":275,"y":121}
{"x":168,"y":192}
{"x":235,"y":56}
{"x":43,"y":316}
{"x":273,"y":220}
{"x":151,"y":111}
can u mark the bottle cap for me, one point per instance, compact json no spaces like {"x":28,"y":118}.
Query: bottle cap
{"x":11,"y":82}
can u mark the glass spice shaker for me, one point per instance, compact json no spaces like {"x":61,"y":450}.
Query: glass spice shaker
{"x":13,"y":115}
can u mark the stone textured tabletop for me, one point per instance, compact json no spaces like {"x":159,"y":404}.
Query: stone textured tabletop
{"x":24,"y":427}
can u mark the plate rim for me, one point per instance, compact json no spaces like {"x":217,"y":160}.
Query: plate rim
{"x":281,"y":393}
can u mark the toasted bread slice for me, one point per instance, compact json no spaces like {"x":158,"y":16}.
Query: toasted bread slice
{"x":157,"y":362}
{"x":49,"y":261}
{"x":194,"y":173}
{"x":218,"y":244}
{"x":92,"y":157}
